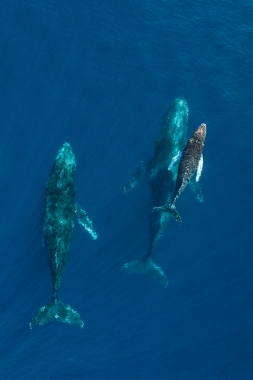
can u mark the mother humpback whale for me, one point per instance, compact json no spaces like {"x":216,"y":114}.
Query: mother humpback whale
{"x":162,"y":182}
{"x":59,"y":212}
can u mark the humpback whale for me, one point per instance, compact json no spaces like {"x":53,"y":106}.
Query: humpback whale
{"x":162,"y":182}
{"x":59,"y":211}
{"x":191,"y":161}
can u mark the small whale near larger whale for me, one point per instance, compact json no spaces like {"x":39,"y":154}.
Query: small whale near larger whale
{"x":190,"y":162}
{"x":170,"y":170}
{"x":166,"y":182}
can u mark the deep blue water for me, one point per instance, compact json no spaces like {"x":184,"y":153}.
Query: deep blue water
{"x":101,"y":75}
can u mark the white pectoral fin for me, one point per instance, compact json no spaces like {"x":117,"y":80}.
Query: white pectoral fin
{"x":175,"y":160}
{"x":85,"y":221}
{"x":194,"y":182}
{"x":199,"y":169}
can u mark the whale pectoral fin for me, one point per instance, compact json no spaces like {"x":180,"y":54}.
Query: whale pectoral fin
{"x":85,"y":221}
{"x":194,"y":182}
{"x":139,"y":173}
{"x":196,"y":188}
{"x":175,"y":159}
{"x":171,"y":209}
{"x":199,"y":168}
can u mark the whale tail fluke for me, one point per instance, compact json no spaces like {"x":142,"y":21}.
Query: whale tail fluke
{"x":56,"y":309}
{"x":148,"y":267}
{"x":171,"y":209}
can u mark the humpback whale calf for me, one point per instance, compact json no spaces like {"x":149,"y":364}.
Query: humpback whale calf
{"x":59,"y":211}
{"x":191,"y":161}
{"x":162,"y":182}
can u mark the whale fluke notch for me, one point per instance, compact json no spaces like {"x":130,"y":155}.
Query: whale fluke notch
{"x":56,"y":309}
{"x":148,"y":267}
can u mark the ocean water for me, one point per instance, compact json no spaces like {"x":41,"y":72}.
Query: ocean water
{"x":101,"y":75}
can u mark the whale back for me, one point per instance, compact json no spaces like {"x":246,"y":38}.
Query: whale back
{"x":59,"y":212}
{"x":172,"y":139}
{"x":190,"y":160}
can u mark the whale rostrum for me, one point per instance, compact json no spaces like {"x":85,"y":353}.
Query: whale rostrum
{"x":59,"y":211}
{"x":191,"y":162}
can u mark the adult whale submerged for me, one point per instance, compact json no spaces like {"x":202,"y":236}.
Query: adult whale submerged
{"x":59,"y":212}
{"x":162,"y":183}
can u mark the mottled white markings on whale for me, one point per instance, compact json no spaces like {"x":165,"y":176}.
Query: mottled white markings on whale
{"x":170,"y":142}
{"x":191,"y":161}
{"x":59,"y":212}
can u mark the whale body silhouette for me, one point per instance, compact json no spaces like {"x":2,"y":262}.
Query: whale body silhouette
{"x":191,"y":161}
{"x":172,"y":139}
{"x":59,"y":212}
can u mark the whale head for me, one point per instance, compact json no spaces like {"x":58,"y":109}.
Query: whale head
{"x":176,"y":119}
{"x":200,"y":133}
{"x":66,"y":157}
{"x":179,"y":110}
{"x":65,"y":165}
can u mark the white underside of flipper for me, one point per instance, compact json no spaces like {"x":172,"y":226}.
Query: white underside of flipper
{"x":199,"y":169}
{"x":175,"y":159}
{"x":84,"y":220}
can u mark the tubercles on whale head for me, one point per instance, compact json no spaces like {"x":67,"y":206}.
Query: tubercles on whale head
{"x":182,"y":105}
{"x":200,"y":133}
{"x":66,"y":149}
{"x":66,"y":157}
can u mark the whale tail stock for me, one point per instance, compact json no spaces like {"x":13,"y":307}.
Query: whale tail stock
{"x":56,"y":309}
{"x":171,"y":209}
